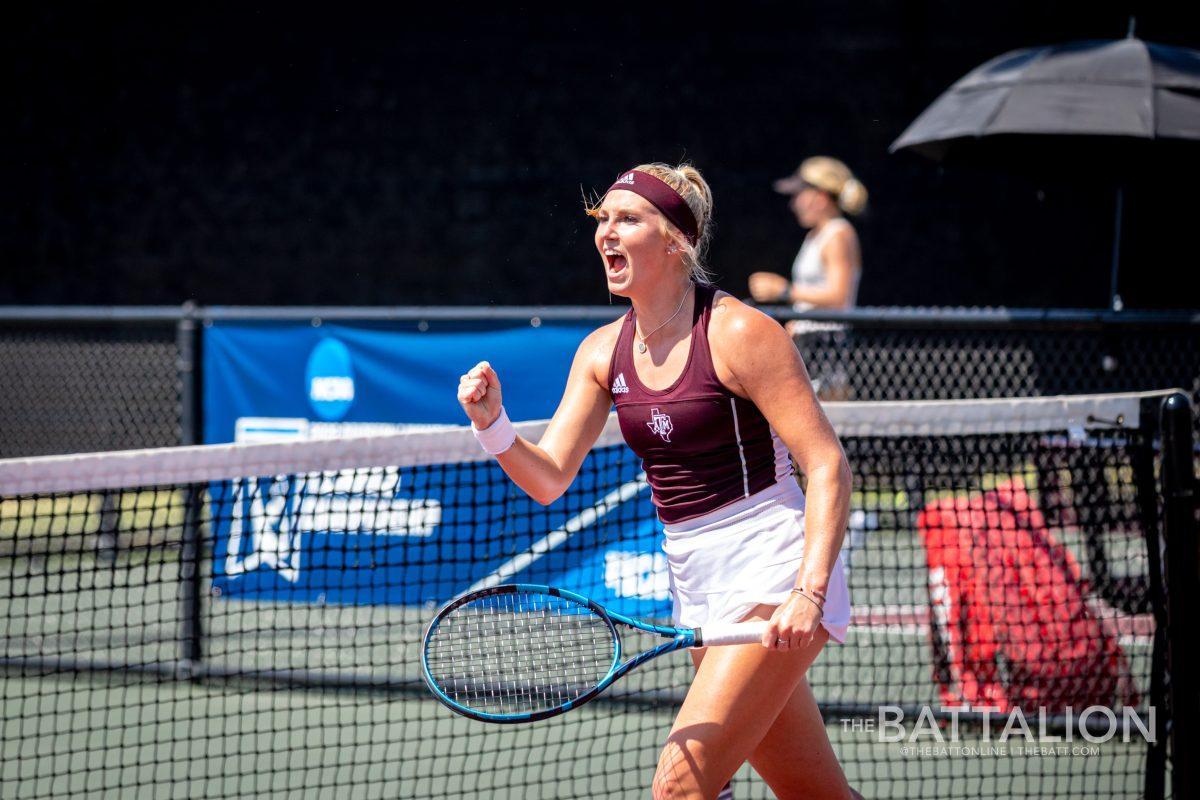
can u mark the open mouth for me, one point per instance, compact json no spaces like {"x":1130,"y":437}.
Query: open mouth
{"x":616,"y":261}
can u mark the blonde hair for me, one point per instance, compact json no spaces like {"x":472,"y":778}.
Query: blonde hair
{"x":687,"y":181}
{"x":832,"y":176}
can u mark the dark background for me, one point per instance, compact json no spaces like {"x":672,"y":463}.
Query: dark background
{"x":250,"y":154}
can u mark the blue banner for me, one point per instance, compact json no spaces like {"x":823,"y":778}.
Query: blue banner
{"x":337,"y":374}
{"x":410,"y":535}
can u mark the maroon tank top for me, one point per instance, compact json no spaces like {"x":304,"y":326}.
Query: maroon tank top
{"x":702,"y":446}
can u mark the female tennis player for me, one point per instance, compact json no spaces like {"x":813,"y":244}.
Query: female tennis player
{"x":712,"y":395}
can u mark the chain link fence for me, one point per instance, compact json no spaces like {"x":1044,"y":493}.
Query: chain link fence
{"x":881,"y":354}
{"x":78,"y":380}
{"x":112,"y":379}
{"x":77,"y":384}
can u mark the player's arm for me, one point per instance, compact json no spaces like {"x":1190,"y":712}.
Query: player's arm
{"x":545,"y":470}
{"x":765,"y":367}
{"x":768,"y":370}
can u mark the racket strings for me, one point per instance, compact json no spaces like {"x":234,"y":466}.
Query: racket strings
{"x":517,"y":653}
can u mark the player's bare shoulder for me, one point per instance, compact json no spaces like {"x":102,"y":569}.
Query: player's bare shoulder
{"x":740,"y":337}
{"x":735,"y":324}
{"x":596,"y":350}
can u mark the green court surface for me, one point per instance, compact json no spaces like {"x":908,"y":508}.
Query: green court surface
{"x":102,"y":737}
{"x":115,"y":734}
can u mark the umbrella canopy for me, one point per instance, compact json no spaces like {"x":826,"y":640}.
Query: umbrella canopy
{"x":1048,"y":101}
{"x":1126,"y":87}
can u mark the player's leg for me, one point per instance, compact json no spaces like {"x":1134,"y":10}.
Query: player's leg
{"x":734,"y":700}
{"x":725,"y":715}
{"x":795,"y":758}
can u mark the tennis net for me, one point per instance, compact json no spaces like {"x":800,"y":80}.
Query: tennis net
{"x":245,"y":620}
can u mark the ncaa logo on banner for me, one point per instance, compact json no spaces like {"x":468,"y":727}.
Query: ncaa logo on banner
{"x":329,"y":379}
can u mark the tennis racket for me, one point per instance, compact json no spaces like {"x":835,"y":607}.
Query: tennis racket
{"x":522,"y":652}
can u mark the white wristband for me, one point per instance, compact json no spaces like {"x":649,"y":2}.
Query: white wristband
{"x":497,"y":437}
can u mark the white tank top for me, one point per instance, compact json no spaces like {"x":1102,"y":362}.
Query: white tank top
{"x":809,"y":268}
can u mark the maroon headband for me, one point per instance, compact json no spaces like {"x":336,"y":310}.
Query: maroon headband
{"x":662,"y":197}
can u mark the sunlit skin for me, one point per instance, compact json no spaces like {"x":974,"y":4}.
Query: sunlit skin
{"x":747,"y":702}
{"x":813,"y":209}
{"x":642,"y":261}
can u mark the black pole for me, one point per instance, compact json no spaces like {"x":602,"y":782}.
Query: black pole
{"x":1115,"y":299}
{"x":1151,"y":596}
{"x":1183,"y":579}
{"x":187,"y":345}
{"x":108,"y":538}
{"x":191,"y":553}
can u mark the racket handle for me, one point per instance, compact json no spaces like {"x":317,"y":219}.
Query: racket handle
{"x":737,"y":633}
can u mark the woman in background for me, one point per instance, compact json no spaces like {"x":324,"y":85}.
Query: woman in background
{"x":826,"y":271}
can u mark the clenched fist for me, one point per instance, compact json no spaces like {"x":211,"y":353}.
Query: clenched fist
{"x":479,"y":395}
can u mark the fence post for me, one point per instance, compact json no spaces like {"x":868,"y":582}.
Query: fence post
{"x":1152,"y":596}
{"x":191,"y":554}
{"x":1183,"y":597}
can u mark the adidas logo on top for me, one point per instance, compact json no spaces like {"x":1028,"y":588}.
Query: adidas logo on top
{"x":626,"y":178}
{"x":619,"y":386}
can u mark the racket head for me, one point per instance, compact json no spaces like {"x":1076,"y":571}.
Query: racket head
{"x":519,"y":652}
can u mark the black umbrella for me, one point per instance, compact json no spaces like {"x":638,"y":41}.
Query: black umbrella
{"x":1123,"y":91}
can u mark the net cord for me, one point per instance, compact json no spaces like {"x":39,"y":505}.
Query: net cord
{"x":174,"y":466}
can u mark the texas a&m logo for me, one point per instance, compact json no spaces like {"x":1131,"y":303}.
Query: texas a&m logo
{"x":660,"y":423}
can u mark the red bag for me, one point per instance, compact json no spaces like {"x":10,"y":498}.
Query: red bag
{"x":1011,"y":623}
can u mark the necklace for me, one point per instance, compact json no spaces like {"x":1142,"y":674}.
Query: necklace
{"x":642,"y":342}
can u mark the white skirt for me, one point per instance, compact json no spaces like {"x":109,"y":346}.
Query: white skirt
{"x":725,"y":563}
